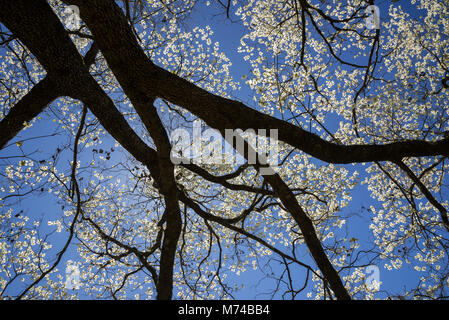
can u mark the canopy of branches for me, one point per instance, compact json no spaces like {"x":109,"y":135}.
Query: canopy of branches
{"x":93,"y":205}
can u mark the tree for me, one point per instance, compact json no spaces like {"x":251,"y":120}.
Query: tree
{"x":341,"y":95}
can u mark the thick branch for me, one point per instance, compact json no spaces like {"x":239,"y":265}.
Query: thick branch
{"x":33,"y":103}
{"x":426,"y":192}
{"x":141,"y":75}
{"x":135,"y":71}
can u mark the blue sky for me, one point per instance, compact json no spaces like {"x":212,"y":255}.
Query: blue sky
{"x":228,"y":34}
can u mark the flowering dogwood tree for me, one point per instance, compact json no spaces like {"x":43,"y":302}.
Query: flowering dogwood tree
{"x":357,"y":101}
